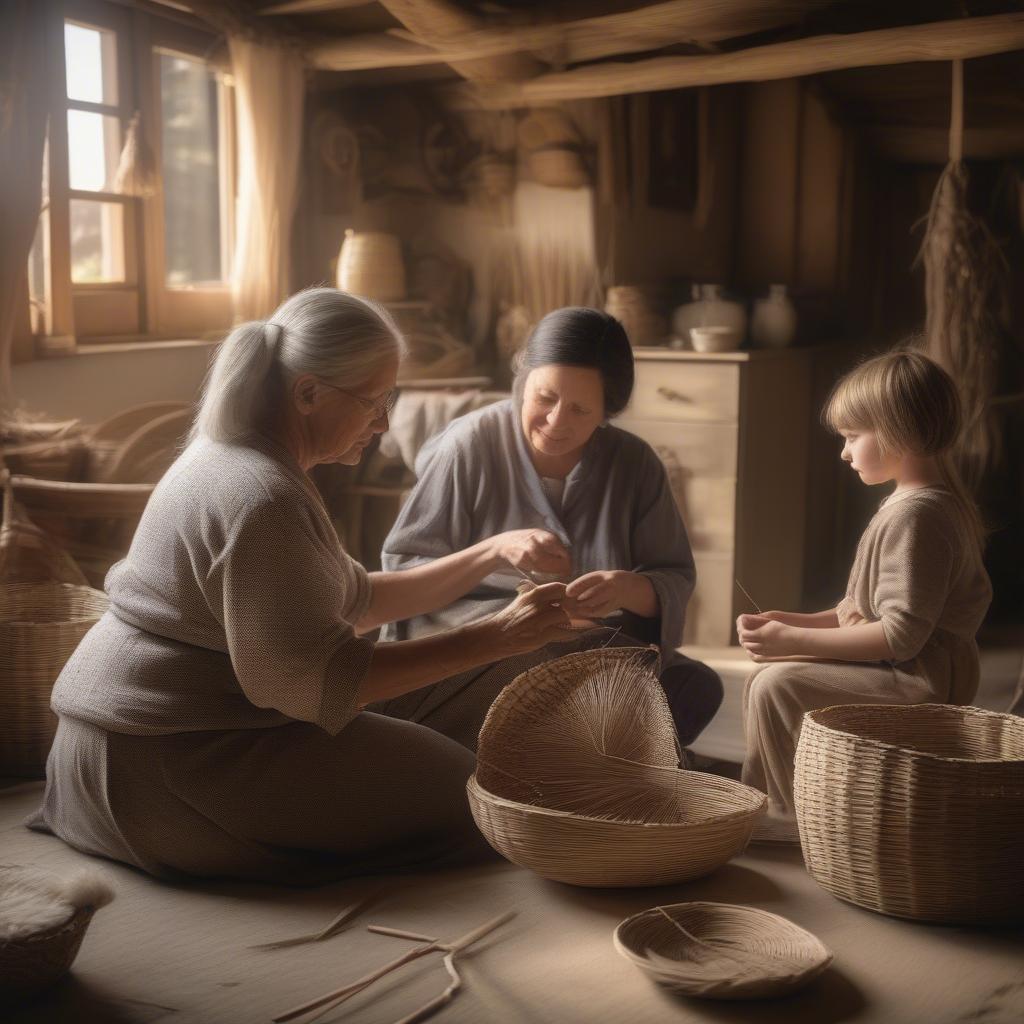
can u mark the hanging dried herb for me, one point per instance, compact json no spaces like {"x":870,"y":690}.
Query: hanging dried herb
{"x":966,"y":276}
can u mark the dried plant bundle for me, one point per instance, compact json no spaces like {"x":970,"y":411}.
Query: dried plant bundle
{"x":966,"y":281}
{"x":721,"y":951}
{"x":578,"y":779}
{"x":915,"y":811}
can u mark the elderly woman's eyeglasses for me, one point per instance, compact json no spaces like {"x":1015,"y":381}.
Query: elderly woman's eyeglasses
{"x":380,"y":407}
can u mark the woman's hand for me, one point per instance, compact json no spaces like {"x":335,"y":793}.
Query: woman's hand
{"x":532,"y":620}
{"x":533,"y":551}
{"x":763,"y":637}
{"x":597,"y":594}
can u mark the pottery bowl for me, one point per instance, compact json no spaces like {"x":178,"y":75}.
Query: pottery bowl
{"x":716,"y":339}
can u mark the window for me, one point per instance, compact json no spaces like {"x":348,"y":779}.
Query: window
{"x":106,"y":265}
{"x":194,"y":235}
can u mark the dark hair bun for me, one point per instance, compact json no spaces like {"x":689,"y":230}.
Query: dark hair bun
{"x":579,"y":336}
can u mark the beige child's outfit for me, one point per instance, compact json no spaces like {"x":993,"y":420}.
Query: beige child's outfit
{"x":919,"y":572}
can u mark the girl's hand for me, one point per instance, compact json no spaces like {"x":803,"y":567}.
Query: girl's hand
{"x":597,"y":594}
{"x":532,"y":620}
{"x":533,"y":551}
{"x":760,"y":616}
{"x":762,"y":637}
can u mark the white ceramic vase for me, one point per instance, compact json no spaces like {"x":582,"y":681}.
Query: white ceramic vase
{"x":709,"y":309}
{"x":774,"y":321}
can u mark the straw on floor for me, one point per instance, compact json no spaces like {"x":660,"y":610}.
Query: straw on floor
{"x":915,"y":811}
{"x":721,"y":951}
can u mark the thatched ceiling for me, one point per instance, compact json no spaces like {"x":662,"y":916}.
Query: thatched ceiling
{"x":883,"y":63}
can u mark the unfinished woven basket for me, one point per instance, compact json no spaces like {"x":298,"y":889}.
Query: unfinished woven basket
{"x":577,"y":779}
{"x":721,"y":951}
{"x":40,"y":625}
{"x":915,"y":811}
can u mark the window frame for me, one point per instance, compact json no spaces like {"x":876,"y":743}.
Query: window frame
{"x":142,"y":307}
{"x":205,"y":306}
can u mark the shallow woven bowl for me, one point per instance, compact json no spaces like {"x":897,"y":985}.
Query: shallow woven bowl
{"x":915,"y":811}
{"x":538,"y":821}
{"x":721,"y":951}
{"x":600,"y":852}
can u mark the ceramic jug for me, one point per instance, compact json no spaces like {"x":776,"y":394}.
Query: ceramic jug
{"x":774,"y":321}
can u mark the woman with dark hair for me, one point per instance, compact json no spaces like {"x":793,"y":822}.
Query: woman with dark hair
{"x":595,"y":499}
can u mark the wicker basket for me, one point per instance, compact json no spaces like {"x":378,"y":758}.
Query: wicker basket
{"x":43,"y":919}
{"x":721,"y":951}
{"x":915,"y":811}
{"x":27,"y":966}
{"x":623,"y":815}
{"x":370,"y":264}
{"x":40,"y":625}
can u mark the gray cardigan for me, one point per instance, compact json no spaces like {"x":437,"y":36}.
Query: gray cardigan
{"x":475,"y":479}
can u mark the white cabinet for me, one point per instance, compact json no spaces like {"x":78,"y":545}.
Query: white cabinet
{"x":732,"y":430}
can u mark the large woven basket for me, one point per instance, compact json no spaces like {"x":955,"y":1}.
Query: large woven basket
{"x":624,"y":815}
{"x":721,"y":951}
{"x":40,"y":625}
{"x":915,"y":811}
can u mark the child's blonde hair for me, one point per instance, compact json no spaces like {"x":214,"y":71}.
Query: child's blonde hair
{"x":911,"y":405}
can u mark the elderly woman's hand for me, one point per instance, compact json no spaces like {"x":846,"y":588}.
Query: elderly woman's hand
{"x":532,"y":620}
{"x":533,"y":551}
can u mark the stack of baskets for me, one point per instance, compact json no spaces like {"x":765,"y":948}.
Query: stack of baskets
{"x":370,"y":264}
{"x":915,"y":811}
{"x":605,"y":804}
{"x":40,"y":626}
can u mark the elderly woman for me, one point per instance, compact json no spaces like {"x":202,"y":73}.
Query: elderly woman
{"x":549,"y":459}
{"x":214,"y":721}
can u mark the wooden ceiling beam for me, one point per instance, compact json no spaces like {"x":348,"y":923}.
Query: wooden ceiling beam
{"x":911,"y":143}
{"x":651,"y":27}
{"x":313,"y":6}
{"x":435,"y":21}
{"x":961,"y":39}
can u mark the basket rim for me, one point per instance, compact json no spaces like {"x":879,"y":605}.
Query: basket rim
{"x":811,"y":716}
{"x":80,"y":918}
{"x":81,"y":589}
{"x":824,"y":952}
{"x":472,"y":784}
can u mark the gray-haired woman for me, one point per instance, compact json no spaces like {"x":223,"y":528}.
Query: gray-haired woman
{"x":211,"y":723}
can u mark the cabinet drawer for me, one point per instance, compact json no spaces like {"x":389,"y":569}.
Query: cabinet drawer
{"x":697,"y":449}
{"x":701,"y":392}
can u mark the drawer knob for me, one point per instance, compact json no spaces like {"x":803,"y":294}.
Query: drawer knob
{"x":674,"y":396}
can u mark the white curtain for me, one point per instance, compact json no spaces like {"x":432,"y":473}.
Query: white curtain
{"x":23,"y":90}
{"x":269,"y":88}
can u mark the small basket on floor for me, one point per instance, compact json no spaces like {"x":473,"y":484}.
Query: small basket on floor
{"x":578,"y":780}
{"x":721,"y":951}
{"x":915,"y":811}
{"x":40,"y":626}
{"x":43,"y":920}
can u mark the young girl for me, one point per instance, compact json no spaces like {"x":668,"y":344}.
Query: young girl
{"x":905,"y":631}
